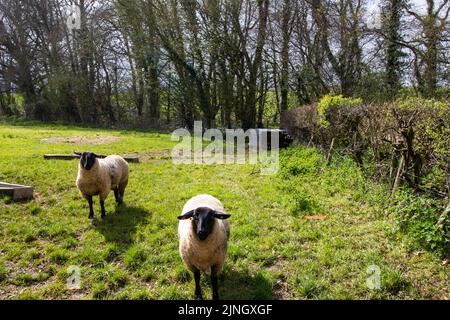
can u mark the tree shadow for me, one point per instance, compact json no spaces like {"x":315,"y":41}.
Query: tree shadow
{"x":243,"y":285}
{"x":120,"y":226}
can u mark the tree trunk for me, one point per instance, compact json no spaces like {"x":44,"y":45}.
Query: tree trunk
{"x":284,"y":83}
{"x":249,"y":119}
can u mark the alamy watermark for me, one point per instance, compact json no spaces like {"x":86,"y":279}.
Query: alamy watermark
{"x":373,"y":281}
{"x":74,"y":19}
{"x":74,"y":278}
{"x":238,"y":146}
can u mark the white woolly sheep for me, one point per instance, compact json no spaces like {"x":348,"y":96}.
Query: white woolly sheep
{"x":203,"y":233}
{"x":99,"y":176}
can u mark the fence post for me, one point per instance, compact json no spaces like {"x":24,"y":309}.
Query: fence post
{"x":329,"y":152}
{"x":397,"y":177}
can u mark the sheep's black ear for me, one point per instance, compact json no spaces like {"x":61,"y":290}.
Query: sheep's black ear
{"x":77,"y":153}
{"x":187,"y":215}
{"x":96,"y":155}
{"x":221,"y":215}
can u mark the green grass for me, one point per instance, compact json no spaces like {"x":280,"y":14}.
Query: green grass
{"x":3,"y":271}
{"x":274,"y":252}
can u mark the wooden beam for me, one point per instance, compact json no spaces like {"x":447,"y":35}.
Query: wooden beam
{"x":330,"y":152}
{"x":16,"y":191}
{"x":131,"y":159}
{"x":315,"y":217}
{"x":60,"y":156}
{"x":398,"y":176}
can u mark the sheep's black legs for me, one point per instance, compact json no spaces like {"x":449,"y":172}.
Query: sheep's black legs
{"x":102,"y":204}
{"x":121,"y":194}
{"x":214,"y":284}
{"x":198,"y":290}
{"x":122,"y":191}
{"x":91,"y":207}
{"x":117,"y":195}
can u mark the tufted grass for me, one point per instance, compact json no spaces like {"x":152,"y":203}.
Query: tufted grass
{"x":274,"y":252}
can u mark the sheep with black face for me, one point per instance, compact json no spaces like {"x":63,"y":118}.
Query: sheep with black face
{"x":98,"y":176}
{"x":203,"y":232}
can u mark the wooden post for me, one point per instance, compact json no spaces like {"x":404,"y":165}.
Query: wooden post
{"x":329,"y":152}
{"x":392,"y":167}
{"x":398,"y":176}
{"x":60,"y":156}
{"x":16,"y":191}
{"x":310,"y":141}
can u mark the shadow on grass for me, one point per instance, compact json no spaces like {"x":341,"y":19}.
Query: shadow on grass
{"x":242,"y":285}
{"x":120,"y":226}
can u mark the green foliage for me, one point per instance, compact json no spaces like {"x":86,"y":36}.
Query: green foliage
{"x":99,"y":291}
{"x":418,"y":103}
{"x":300,"y":202}
{"x":329,"y":103}
{"x":425,"y":219}
{"x":407,"y":92}
{"x":113,"y":277}
{"x":309,"y":286}
{"x":274,"y":252}
{"x":297,"y":161}
{"x":393,"y":280}
{"x":429,"y":122}
{"x":59,"y":256}
{"x":108,"y":280}
{"x":377,"y":136}
{"x":28,"y":295}
{"x":271,"y":114}
{"x":134,"y":257}
{"x":306,"y":85}
{"x":3,"y":271}
{"x":12,"y":104}
{"x":27,"y":279}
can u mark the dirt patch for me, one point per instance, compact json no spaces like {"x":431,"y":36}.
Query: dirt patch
{"x":166,"y":155}
{"x":158,"y":156}
{"x":280,"y":286}
{"x":11,"y":290}
{"x":81,"y":141}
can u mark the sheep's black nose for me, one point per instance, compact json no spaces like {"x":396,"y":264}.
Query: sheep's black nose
{"x":202,"y":235}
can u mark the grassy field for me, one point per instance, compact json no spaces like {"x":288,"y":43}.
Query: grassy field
{"x":274,"y":252}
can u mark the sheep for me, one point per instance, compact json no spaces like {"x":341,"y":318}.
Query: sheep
{"x":203,"y":239}
{"x":99,"y":176}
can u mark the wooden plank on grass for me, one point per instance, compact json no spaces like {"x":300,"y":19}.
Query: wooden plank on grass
{"x":61,"y":156}
{"x":16,"y":191}
{"x":133,"y":159}
{"x":315,"y":217}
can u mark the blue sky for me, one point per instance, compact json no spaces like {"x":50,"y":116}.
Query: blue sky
{"x":373,"y":8}
{"x":418,"y":5}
